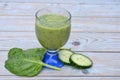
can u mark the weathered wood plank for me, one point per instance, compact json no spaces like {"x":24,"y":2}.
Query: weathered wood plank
{"x":103,"y":2}
{"x":105,"y":64}
{"x":27,"y":9}
{"x":78,"y":41}
{"x":26,"y":23}
{"x":58,"y":78}
{"x":95,"y":28}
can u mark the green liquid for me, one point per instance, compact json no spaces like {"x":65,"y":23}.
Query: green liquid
{"x":52,"y":30}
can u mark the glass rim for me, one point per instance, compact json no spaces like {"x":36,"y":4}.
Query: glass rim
{"x":69,"y":14}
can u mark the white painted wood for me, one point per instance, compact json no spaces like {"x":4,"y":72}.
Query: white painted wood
{"x":29,"y":9}
{"x":95,"y":26}
{"x":26,"y":23}
{"x":58,"y":78}
{"x":86,"y":41}
{"x":96,"y":2}
{"x":105,"y":64}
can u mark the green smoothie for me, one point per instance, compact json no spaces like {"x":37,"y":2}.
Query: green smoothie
{"x":52,"y":30}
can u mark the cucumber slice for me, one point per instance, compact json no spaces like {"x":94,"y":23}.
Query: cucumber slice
{"x":81,"y":61}
{"x":78,"y":60}
{"x":64,"y":56}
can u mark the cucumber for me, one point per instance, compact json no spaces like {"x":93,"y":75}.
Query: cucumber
{"x":71,"y":58}
{"x":81,"y":61}
{"x":64,"y":56}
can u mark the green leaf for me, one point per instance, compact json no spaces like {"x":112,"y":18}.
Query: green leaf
{"x":38,"y":53}
{"x":17,"y":61}
{"x":26,"y":62}
{"x":12,"y":52}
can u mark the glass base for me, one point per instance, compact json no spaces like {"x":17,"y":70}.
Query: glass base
{"x":51,"y":58}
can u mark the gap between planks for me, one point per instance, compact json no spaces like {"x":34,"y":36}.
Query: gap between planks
{"x":105,"y":65}
{"x":58,"y":78}
{"x":102,"y":42}
{"x":76,"y":10}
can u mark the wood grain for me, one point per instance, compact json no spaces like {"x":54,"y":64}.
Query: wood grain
{"x":29,"y":9}
{"x":26,"y":23}
{"x":89,"y":18}
{"x":105,"y":64}
{"x":86,"y":41}
{"x":91,"y":2}
{"x":95,"y":33}
{"x":59,"y":78}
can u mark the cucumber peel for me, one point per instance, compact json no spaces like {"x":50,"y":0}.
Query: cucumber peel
{"x":64,"y":55}
{"x":81,"y":61}
{"x":78,"y":60}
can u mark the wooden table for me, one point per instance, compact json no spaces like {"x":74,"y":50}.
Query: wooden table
{"x":95,"y":33}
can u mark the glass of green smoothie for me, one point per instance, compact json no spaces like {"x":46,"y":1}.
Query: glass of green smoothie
{"x":52,"y":27}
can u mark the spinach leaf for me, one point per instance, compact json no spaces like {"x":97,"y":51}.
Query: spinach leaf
{"x":12,"y":52}
{"x":26,"y":62}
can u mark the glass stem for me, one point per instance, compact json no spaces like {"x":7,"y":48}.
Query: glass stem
{"x":52,"y":67}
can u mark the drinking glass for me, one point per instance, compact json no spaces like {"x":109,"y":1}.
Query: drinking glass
{"x":52,"y":27}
